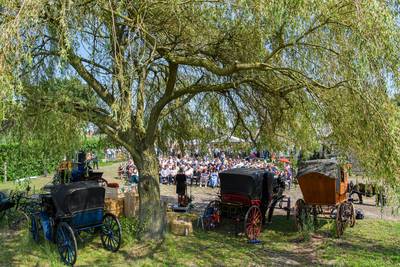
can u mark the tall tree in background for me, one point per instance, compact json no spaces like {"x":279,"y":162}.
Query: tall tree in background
{"x":287,"y":69}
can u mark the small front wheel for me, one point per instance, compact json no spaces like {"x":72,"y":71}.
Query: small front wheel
{"x":111,"y":235}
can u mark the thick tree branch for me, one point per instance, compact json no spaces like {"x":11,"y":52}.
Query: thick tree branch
{"x":215,"y":68}
{"x":176,"y":106}
{"x":156,"y":111}
{"x":77,"y":64}
{"x":139,"y":120}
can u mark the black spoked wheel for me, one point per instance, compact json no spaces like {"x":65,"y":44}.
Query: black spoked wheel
{"x":211,"y":215}
{"x":111,"y":235}
{"x":345,"y":217}
{"x":66,"y":243}
{"x":253,"y":223}
{"x":340,"y":223}
{"x":302,"y":216}
{"x":288,"y":208}
{"x":353,"y":215}
{"x":34,"y":228}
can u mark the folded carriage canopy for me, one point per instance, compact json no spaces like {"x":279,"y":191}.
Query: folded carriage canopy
{"x":253,"y":183}
{"x":76,"y":197}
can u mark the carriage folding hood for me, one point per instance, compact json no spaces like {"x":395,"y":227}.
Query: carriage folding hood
{"x":85,"y":198}
{"x":256,"y":184}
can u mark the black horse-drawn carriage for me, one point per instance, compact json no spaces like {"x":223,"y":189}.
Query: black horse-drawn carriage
{"x":68,"y":211}
{"x":246,"y":195}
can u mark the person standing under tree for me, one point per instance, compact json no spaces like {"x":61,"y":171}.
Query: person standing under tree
{"x":181,"y":187}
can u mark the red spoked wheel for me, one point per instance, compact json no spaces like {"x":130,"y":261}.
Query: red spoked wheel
{"x":253,"y":223}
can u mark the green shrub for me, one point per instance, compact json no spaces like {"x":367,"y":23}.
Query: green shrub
{"x":131,"y":228}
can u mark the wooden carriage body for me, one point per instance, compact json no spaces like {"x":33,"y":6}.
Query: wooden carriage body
{"x":323,"y":182}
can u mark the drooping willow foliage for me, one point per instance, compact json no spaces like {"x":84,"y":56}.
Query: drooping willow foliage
{"x":276,"y":72}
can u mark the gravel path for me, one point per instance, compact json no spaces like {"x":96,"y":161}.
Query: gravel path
{"x":203,"y":195}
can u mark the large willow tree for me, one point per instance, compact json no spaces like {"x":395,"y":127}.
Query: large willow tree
{"x":272,"y":69}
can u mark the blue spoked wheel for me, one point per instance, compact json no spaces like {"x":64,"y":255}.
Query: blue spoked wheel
{"x":34,"y":228}
{"x":111,"y":235}
{"x":66,"y":243}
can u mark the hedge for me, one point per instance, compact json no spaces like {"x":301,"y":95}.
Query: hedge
{"x":21,"y":164}
{"x":30,"y":160}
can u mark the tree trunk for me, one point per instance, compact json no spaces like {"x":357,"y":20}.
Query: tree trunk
{"x":151,"y":213}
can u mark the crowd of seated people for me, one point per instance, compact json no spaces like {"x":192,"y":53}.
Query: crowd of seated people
{"x":203,"y":171}
{"x":128,"y":172}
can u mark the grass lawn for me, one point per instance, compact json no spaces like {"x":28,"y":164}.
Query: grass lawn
{"x":369,"y":243}
{"x":35,"y":184}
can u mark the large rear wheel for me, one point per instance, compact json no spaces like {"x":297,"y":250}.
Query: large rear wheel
{"x":302,"y":216}
{"x":340,"y":223}
{"x":66,"y":243}
{"x":253,"y":223}
{"x":111,"y":235}
{"x":345,"y":216}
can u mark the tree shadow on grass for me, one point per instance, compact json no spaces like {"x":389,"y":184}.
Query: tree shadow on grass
{"x":18,"y":249}
{"x":221,"y":247}
{"x":364,"y":247}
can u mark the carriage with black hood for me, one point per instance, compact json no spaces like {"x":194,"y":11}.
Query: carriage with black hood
{"x":71,"y":211}
{"x":246,"y":195}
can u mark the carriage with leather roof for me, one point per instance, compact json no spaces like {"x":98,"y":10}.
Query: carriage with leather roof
{"x":70,"y":211}
{"x":245,"y":196}
{"x":323,"y":184}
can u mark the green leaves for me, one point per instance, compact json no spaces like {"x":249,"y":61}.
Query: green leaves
{"x":279,"y":73}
